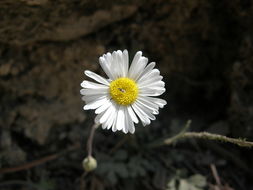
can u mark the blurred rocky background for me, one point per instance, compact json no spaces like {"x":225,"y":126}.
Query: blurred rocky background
{"x":204,"y":50}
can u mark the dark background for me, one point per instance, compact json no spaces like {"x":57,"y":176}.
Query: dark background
{"x":204,"y":50}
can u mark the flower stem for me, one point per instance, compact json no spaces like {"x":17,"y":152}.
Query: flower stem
{"x":90,"y":139}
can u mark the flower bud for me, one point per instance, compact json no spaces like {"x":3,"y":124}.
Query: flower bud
{"x":89,"y":164}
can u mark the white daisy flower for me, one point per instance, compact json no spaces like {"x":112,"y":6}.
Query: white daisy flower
{"x":126,"y":94}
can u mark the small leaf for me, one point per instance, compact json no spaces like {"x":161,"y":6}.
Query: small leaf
{"x":112,"y":178}
{"x":185,"y":185}
{"x":197,"y":180}
{"x":172,"y":185}
{"x":121,"y":170}
{"x":47,"y":184}
{"x":121,"y":155}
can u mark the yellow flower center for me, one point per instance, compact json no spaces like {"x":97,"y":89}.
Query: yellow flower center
{"x":124,"y":91}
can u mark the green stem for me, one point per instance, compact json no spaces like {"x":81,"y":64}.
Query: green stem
{"x":183,"y":134}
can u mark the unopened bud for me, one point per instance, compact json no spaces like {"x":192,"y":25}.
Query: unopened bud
{"x":89,"y":164}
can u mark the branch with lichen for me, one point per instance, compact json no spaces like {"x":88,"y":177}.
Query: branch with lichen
{"x":210,"y":136}
{"x":183,"y":134}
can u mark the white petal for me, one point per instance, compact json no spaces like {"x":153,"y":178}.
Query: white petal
{"x":125,"y":58}
{"x":108,"y":123}
{"x":104,"y":126}
{"x":120,"y":63}
{"x":108,"y":58}
{"x":98,"y":91}
{"x":129,"y":123}
{"x":149,"y":103}
{"x":116,"y":70}
{"x":132,"y":114}
{"x":138,"y":68}
{"x":120,"y":122}
{"x":106,"y":114}
{"x":96,"y":77}
{"x":151,"y":75}
{"x":97,"y":118}
{"x":146,"y":110}
{"x":106,"y":67}
{"x":152,"y":85}
{"x":134,"y":63}
{"x":150,"y":80}
{"x":127,"y":119}
{"x":160,"y":102}
{"x":104,"y":107}
{"x":91,"y":98}
{"x":151,"y":91}
{"x":95,"y":104}
{"x":143,"y":117}
{"x":114,"y":128}
{"x":131,"y":127}
{"x":112,"y":117}
{"x":111,"y":65}
{"x":153,"y":108}
{"x":93,"y":85}
{"x":148,"y":69}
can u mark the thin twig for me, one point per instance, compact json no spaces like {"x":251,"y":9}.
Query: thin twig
{"x":215,"y":174}
{"x":201,"y":135}
{"x":171,"y":139}
{"x":20,"y":182}
{"x":180,"y":134}
{"x":39,"y":161}
{"x":228,"y":155}
{"x":90,"y":139}
{"x":210,"y":136}
{"x":82,"y":185}
{"x":119,"y":144}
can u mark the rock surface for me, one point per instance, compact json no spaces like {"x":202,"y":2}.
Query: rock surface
{"x":203,"y":49}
